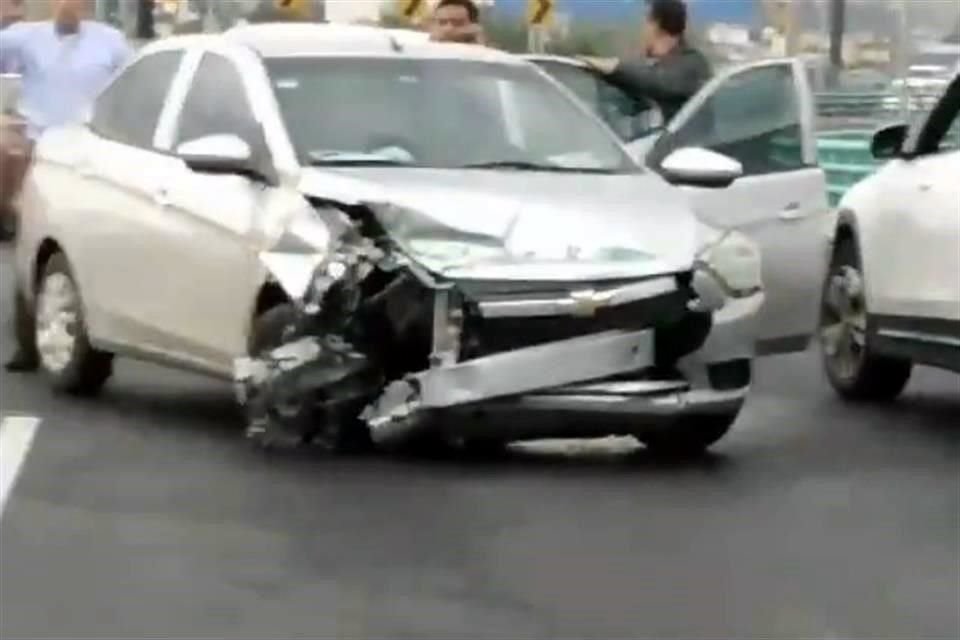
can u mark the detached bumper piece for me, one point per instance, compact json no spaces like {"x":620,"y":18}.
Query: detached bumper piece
{"x":395,"y":414}
{"x":539,"y":392}
{"x":307,"y":391}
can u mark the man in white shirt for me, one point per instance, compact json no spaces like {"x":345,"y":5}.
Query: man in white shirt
{"x":63,"y":64}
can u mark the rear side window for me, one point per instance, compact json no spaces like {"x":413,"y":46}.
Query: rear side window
{"x":129,"y":109}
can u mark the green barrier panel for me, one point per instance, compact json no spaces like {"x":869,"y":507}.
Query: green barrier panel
{"x":845,"y":158}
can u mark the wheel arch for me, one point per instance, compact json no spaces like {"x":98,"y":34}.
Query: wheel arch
{"x":47,"y":248}
{"x":269,"y":296}
{"x":848,"y":228}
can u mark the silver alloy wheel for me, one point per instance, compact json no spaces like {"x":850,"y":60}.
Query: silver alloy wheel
{"x":58,"y":309}
{"x":843,"y":332}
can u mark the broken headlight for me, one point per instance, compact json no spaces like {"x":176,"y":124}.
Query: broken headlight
{"x":729,"y":266}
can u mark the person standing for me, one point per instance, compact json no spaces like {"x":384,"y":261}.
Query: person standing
{"x":671,"y":72}
{"x":456,"y":21}
{"x":11,"y":12}
{"x":63,"y":65}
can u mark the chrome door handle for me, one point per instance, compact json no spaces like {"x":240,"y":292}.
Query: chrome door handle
{"x":161,"y":198}
{"x":83,"y":169}
{"x":792,"y":211}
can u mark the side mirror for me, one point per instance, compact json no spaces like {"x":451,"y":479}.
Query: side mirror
{"x":223,"y":153}
{"x":888,"y":141}
{"x":699,"y":167}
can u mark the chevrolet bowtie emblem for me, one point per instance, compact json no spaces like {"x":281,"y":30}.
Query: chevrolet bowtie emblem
{"x":587,"y":302}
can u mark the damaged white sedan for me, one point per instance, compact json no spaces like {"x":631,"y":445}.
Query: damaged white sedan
{"x":387,"y":241}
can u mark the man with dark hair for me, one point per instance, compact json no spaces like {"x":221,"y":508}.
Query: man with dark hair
{"x":456,"y":21}
{"x":672,"y":70}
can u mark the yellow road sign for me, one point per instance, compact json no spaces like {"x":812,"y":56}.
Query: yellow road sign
{"x":412,"y":10}
{"x":294,"y":8}
{"x":540,"y":13}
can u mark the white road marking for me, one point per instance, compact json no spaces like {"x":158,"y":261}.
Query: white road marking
{"x":16,"y":437}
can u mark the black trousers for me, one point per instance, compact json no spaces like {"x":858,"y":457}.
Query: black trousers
{"x":23,"y":327}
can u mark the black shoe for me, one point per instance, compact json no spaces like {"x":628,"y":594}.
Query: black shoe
{"x":22,"y":363}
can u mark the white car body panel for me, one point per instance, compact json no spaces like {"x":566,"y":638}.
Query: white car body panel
{"x":907,"y":217}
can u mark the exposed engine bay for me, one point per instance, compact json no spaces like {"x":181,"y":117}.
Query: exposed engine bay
{"x":377,"y":346}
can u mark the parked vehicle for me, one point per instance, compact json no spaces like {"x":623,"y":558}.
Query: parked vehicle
{"x":892,"y":298}
{"x":423,"y":229}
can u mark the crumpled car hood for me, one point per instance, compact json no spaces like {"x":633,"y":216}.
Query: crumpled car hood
{"x":521,"y":225}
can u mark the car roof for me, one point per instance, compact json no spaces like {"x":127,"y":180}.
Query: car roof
{"x":546,"y":57}
{"x":299,"y":39}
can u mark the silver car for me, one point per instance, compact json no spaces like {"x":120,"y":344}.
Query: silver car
{"x":379,"y":236}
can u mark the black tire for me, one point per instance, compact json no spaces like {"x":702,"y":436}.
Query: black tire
{"x":484,"y":448}
{"x":8,"y":226}
{"x":866,"y":376}
{"x":433,"y":445}
{"x":87,"y":369}
{"x":270,"y":330}
{"x":688,"y":437}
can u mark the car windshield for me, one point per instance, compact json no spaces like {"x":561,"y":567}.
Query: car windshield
{"x":449,"y":114}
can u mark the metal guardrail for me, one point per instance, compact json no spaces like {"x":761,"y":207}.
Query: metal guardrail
{"x":847,"y":122}
{"x":872,"y":105}
{"x":846,"y":160}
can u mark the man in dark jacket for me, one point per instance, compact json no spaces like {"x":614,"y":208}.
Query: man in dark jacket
{"x":672,"y":70}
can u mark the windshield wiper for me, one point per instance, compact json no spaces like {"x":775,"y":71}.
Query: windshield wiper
{"x":524,"y":165}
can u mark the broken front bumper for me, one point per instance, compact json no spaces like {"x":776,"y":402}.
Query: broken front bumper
{"x":595,"y":385}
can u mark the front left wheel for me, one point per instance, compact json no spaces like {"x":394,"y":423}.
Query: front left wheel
{"x":71,"y":363}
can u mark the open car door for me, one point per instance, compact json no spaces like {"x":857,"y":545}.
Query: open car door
{"x":762,"y":115}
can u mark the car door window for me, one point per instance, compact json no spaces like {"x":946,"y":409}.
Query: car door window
{"x":216,"y":103}
{"x":584,"y":84}
{"x":941,"y":131}
{"x":631,"y":118}
{"x":128,"y":110}
{"x":753,"y":117}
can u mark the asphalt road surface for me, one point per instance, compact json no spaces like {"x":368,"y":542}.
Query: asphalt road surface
{"x":143,"y":514}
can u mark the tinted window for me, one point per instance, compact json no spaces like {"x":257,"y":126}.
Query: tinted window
{"x":629,"y":117}
{"x":435,"y":113}
{"x":216,"y":103}
{"x":128,"y":110}
{"x":753,"y":117}
{"x":941,"y":128}
{"x":952,"y":140}
{"x":581,"y":82}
